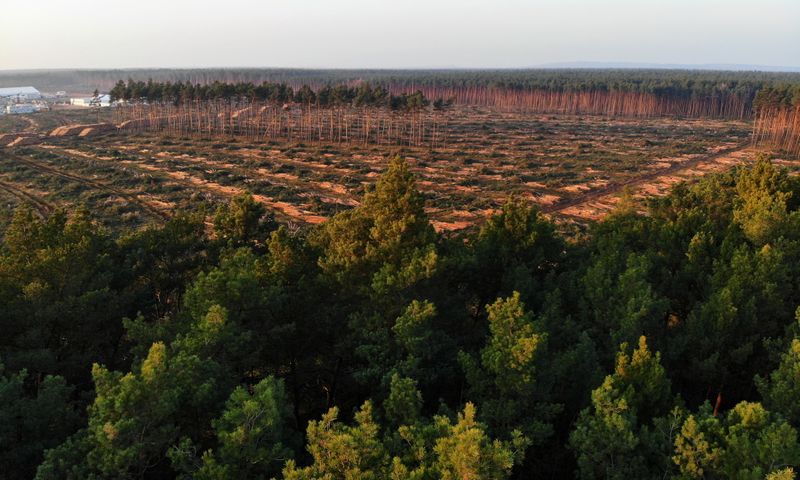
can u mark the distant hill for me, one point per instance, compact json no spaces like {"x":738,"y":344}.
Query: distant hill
{"x":735,"y":67}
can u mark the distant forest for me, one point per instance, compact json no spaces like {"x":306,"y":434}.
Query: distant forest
{"x":639,"y":80}
{"x":613,"y":91}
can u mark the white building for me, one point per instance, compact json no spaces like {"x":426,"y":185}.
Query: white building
{"x":19,"y":94}
{"x":21,"y":108}
{"x":99,"y":101}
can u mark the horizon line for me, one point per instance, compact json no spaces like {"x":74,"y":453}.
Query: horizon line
{"x":568,"y":65}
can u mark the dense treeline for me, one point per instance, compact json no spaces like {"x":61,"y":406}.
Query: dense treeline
{"x":777,"y":121}
{"x":638,"y":93}
{"x":658,"y":346}
{"x":670,"y":84}
{"x":627,"y":103}
{"x":364,"y":95}
{"x":684,"y":82}
{"x":633,"y":92}
{"x":609,"y":92}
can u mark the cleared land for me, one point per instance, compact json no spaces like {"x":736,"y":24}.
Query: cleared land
{"x":573,"y":167}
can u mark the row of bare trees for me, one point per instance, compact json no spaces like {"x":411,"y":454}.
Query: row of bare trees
{"x":778,"y":127}
{"x":264,"y":121}
{"x":594,"y":102}
{"x":777,"y":120}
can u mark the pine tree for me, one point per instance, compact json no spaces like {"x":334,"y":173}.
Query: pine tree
{"x":609,"y":437}
{"x":516,"y":250}
{"x":749,"y":442}
{"x":343,"y":452}
{"x":505,"y":380}
{"x":387,"y":243}
{"x":242,"y":222}
{"x":32,"y":419}
{"x":465,"y":452}
{"x":136,"y":417}
{"x":781,"y":389}
{"x":252,"y":436}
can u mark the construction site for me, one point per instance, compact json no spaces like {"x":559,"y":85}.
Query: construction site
{"x":19,"y":100}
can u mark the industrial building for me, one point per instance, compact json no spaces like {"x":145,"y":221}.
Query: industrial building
{"x":19,"y":94}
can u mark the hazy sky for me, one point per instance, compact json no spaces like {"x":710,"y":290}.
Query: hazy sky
{"x":394,"y":33}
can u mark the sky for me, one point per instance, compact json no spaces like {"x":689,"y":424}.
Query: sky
{"x":395,"y":33}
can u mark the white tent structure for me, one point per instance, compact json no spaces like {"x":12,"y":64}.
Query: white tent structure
{"x":19,"y":94}
{"x":99,"y":101}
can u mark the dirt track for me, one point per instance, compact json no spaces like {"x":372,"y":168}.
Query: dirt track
{"x":33,"y":125}
{"x":617,"y":187}
{"x":101,"y":186}
{"x":42,"y":208}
